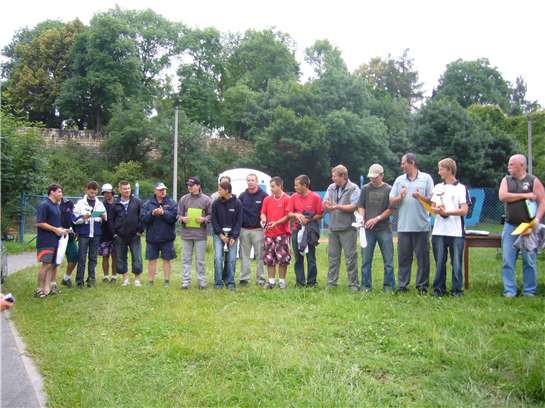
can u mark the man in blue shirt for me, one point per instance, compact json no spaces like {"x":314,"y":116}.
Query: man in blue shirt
{"x":413,"y":225}
{"x":49,"y":230}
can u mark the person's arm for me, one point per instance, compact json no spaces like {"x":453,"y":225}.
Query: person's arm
{"x":215,"y":219}
{"x":170,"y":213}
{"x":539,"y":191}
{"x":508,"y":197}
{"x":397,"y":194}
{"x":208,"y":211}
{"x":47,"y":227}
{"x":140,"y":227}
{"x":146,"y":214}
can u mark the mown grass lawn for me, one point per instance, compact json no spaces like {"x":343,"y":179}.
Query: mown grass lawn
{"x":137,"y":347}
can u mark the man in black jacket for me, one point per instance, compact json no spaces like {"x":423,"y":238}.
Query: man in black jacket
{"x":159,"y":216}
{"x":128,"y":229}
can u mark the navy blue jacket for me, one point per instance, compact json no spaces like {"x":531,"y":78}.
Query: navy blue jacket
{"x":227,"y":214}
{"x":251,"y":208}
{"x":127,"y":224}
{"x":160,"y":228}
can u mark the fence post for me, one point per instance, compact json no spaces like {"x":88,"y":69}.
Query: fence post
{"x":22,"y":218}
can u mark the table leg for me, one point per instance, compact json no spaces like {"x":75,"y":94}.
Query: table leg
{"x":466,"y":266}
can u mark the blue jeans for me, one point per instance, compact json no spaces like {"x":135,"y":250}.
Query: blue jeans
{"x":510,"y":254}
{"x":122,"y":247}
{"x":218,"y":263}
{"x":87,"y":246}
{"x":312,"y":270}
{"x":386,"y":245}
{"x":442,"y":246}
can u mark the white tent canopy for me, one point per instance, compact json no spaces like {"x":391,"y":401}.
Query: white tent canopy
{"x":238,"y":179}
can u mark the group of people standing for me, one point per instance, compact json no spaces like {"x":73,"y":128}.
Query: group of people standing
{"x":279,"y":227}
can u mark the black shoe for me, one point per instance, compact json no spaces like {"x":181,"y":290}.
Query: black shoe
{"x":437,"y":293}
{"x":457,"y":294}
{"x":243,"y":283}
{"x":91,"y":284}
{"x":81,"y":285}
{"x":67,"y":283}
{"x":231,"y":287}
{"x":422,"y":291}
{"x":312,"y":285}
{"x":402,"y":290}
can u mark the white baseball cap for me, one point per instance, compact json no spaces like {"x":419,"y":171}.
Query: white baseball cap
{"x":107,"y":188}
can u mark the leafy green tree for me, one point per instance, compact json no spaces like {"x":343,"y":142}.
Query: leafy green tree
{"x":470,"y":82}
{"x":39,"y":65}
{"x":519,"y":105}
{"x":396,"y":77}
{"x":324,"y":57}
{"x":260,"y":56}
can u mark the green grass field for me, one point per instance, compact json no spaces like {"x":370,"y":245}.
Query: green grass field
{"x":137,"y":347}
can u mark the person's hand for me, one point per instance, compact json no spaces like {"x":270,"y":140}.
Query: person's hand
{"x":327,"y":205}
{"x":370,"y":224}
{"x":4,"y":304}
{"x":531,"y":196}
{"x":271,"y":225}
{"x":103,"y":216}
{"x":305,"y":221}
{"x":403,"y":192}
{"x":231,"y":242}
{"x":417,"y":194}
{"x":185,"y":220}
{"x":86,"y":216}
{"x":442,"y":211}
{"x":59,"y":231}
{"x":263,"y":224}
{"x":201,"y":220}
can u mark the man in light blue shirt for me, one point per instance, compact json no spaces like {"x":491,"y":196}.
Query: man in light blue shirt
{"x":413,"y":223}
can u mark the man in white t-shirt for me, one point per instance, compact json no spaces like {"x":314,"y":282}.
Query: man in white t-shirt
{"x":449,"y":202}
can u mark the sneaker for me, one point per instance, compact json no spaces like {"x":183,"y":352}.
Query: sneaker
{"x":402,"y":290}
{"x":91,"y":284}
{"x":149,"y":284}
{"x":366,"y":290}
{"x":243,"y":283}
{"x":354,"y":288}
{"x":106,"y":279}
{"x":113,"y":279}
{"x":166,"y":284}
{"x":261,"y":282}
{"x":125,"y":283}
{"x":231,"y":287}
{"x":67,"y":283}
{"x":185,"y":286}
{"x":271,"y":285}
{"x":54,"y":289}
{"x":137,"y":283}
{"x":202,"y":287}
{"x":422,"y":291}
{"x":282,"y":285}
{"x":81,"y":285}
{"x":457,"y":294}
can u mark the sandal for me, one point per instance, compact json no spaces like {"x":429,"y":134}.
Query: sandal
{"x":39,"y":293}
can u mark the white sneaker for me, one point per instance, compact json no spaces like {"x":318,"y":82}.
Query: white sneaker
{"x":125,"y":283}
{"x":137,"y":283}
{"x":282,"y":285}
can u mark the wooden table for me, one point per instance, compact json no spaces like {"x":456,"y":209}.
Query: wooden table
{"x":478,"y":241}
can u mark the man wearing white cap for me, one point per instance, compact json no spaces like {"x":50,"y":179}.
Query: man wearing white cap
{"x":106,"y":248}
{"x":374,"y":207}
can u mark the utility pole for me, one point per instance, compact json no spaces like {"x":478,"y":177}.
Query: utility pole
{"x":175,"y":166}
{"x":530,"y":158}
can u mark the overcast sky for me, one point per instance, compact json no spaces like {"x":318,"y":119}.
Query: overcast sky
{"x":436,"y":32}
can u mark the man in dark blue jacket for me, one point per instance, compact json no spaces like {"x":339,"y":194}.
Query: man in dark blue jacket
{"x":159,"y":216}
{"x":128,"y":229}
{"x":251,"y":234}
{"x":227,"y":222}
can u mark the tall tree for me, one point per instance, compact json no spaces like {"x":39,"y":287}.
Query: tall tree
{"x":396,"y":77}
{"x":40,"y":63}
{"x":519,"y":105}
{"x":469,"y":82}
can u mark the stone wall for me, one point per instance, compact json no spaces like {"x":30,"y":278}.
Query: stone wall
{"x":59,"y":137}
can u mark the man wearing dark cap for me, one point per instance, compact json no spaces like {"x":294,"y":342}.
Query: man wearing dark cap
{"x":159,"y":217}
{"x":194,"y":212}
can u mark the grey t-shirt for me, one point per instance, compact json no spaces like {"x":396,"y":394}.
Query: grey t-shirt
{"x":412,"y":216}
{"x":375,"y":200}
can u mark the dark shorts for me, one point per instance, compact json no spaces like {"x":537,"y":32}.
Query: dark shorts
{"x":276,"y":250}
{"x":72,"y":251}
{"x":46,"y":255}
{"x":167,"y":250}
{"x":106,"y":248}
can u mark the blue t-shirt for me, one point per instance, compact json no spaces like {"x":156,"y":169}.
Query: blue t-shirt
{"x":412,"y":216}
{"x":50,"y":213}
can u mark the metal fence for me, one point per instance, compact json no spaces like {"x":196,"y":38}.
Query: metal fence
{"x":486,"y":211}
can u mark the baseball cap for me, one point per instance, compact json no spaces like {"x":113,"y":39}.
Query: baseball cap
{"x":192,"y":181}
{"x":160,"y":186}
{"x":375,"y":170}
{"x":107,"y":188}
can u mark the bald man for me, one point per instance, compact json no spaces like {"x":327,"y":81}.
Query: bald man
{"x":515,"y":190}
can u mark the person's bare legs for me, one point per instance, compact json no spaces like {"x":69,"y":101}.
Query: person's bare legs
{"x":152,"y":269}
{"x":166,"y":270}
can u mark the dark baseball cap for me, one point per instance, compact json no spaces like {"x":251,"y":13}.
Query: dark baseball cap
{"x":192,"y":181}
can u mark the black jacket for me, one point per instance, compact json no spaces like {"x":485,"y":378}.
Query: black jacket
{"x":107,"y":227}
{"x":127,"y":224}
{"x":227,"y":214}
{"x":160,"y":228}
{"x":251,"y":208}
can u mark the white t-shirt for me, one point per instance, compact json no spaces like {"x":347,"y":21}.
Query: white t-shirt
{"x":452,"y":196}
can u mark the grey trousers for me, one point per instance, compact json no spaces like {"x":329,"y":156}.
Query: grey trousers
{"x":343,"y":241}
{"x":251,"y":238}
{"x":407,"y":244}
{"x":187,"y":254}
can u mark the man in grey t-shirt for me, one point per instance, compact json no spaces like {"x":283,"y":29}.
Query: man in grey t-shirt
{"x":374,"y":207}
{"x":413,"y":225}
